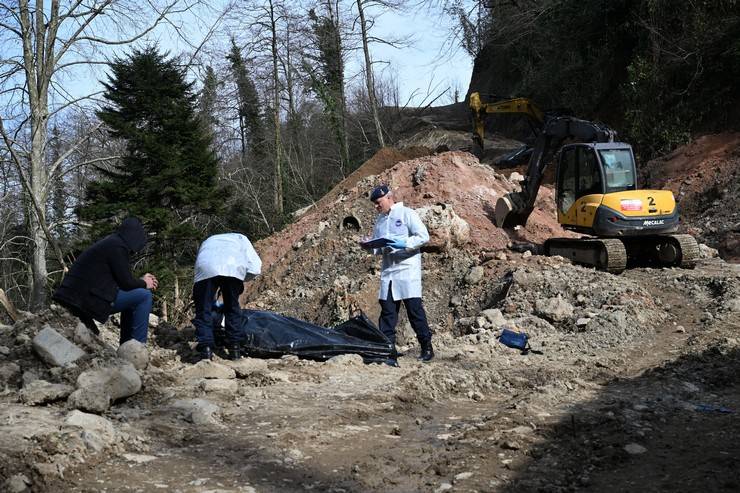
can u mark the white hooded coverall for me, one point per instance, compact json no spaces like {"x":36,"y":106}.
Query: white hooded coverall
{"x":402,"y":268}
{"x":229,"y":255}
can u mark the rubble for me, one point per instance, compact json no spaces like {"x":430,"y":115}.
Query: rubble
{"x":623,"y":360}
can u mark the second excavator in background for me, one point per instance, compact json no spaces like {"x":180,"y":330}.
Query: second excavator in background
{"x":596,"y":194}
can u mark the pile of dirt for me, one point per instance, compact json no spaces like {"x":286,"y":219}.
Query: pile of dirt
{"x":703,"y":176}
{"x":314,"y":270}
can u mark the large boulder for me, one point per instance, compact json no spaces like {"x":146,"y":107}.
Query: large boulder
{"x":99,"y":387}
{"x":55,"y":349}
{"x":446,"y":229}
{"x":135,"y":353}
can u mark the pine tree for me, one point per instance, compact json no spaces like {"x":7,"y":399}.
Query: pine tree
{"x":250,"y":113}
{"x":168,"y":174}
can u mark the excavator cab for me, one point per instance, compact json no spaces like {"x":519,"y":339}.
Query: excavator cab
{"x":591,"y":170}
{"x":596,"y":193}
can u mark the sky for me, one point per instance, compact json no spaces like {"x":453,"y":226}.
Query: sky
{"x":427,"y":67}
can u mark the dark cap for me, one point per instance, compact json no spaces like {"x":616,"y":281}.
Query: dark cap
{"x":378,"y":192}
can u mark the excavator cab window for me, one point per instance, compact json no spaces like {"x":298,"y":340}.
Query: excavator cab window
{"x":589,"y":175}
{"x":619,"y":169}
{"x":566,"y":186}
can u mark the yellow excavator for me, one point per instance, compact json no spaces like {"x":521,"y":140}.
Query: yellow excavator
{"x":596,"y":194}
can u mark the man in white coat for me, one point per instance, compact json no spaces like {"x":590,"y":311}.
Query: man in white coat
{"x":400,"y":278}
{"x":224,"y":262}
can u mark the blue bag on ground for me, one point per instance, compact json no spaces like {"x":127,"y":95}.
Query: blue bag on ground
{"x":268,"y":334}
{"x":516,"y":340}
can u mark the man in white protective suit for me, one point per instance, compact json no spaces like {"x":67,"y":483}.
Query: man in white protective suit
{"x":224,"y":262}
{"x":400,"y":278}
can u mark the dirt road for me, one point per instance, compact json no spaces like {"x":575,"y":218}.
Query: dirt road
{"x":657,"y":413}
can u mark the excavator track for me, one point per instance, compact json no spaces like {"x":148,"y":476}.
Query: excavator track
{"x":663,"y":250}
{"x":605,"y":254}
{"x":689,"y":250}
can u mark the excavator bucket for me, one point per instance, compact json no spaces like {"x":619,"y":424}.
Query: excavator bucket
{"x":511,"y":210}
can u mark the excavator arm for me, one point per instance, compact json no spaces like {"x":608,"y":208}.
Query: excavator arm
{"x":481,"y":109}
{"x":514,"y":208}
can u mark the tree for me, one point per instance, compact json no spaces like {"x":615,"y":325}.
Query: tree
{"x":369,"y":79}
{"x":167,"y":176}
{"x":250,"y":112}
{"x":208,"y":99}
{"x":328,"y":81}
{"x":41,"y":43}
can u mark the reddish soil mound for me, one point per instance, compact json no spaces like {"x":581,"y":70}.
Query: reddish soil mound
{"x":275,"y":246}
{"x":703,"y":176}
{"x":452,"y":178}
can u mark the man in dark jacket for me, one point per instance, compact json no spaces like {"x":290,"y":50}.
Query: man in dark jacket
{"x":100,"y":283}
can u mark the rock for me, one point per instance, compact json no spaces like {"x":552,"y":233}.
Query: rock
{"x":17,"y":483}
{"x":135,"y":353}
{"x":475,"y":275}
{"x":733,"y":305}
{"x":244,"y":367}
{"x":463,"y":475}
{"x":510,"y":445}
{"x":4,"y":350}
{"x":9,"y":373}
{"x":446,"y":229}
{"x":526,"y":254}
{"x":456,"y":300}
{"x":345,"y":360}
{"x":219,"y":385}
{"x":55,"y":349}
{"x":515,"y":177}
{"x":139,"y":458}
{"x":501,"y":256}
{"x":153,"y":320}
{"x":91,"y":422}
{"x":706,"y":251}
{"x":82,"y":335}
{"x":635,"y":449}
{"x":582,"y":322}
{"x":29,"y":376}
{"x":207,"y":369}
{"x":554,"y":309}
{"x":681,"y":329}
{"x":42,"y":392}
{"x":198,"y":411}
{"x":98,"y":388}
{"x":495,"y":317}
{"x":443,"y":487}
{"x":94,"y":400}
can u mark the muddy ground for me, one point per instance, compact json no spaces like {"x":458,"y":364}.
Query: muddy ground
{"x":636,"y":388}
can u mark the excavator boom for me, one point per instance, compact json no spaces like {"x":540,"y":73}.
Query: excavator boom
{"x":514,"y":208}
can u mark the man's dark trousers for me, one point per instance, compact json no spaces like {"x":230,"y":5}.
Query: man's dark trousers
{"x":414,"y":309}
{"x":204,"y":293}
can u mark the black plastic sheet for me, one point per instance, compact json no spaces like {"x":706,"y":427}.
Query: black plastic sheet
{"x":268,"y":334}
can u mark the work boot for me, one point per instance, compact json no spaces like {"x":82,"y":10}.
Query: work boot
{"x":205,"y":353}
{"x":427,"y":353}
{"x":235,"y":352}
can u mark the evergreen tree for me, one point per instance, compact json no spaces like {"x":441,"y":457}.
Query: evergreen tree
{"x":250,"y":114}
{"x":208,"y":100}
{"x":168,"y":174}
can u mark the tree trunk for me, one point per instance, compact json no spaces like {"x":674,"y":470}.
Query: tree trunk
{"x":369,"y":81}
{"x":278,"y":179}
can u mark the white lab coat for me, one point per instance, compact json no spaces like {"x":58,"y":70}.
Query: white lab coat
{"x":228,"y":254}
{"x":401,"y":267}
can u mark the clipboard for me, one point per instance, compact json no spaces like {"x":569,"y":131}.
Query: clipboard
{"x":376,"y":243}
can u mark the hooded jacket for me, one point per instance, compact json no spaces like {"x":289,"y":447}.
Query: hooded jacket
{"x":92,"y":283}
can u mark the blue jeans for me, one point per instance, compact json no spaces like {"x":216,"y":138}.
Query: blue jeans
{"x":135,"y":307}
{"x":415,"y":311}
{"x":204,"y":293}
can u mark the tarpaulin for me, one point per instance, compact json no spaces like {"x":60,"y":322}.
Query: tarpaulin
{"x":269,"y":334}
